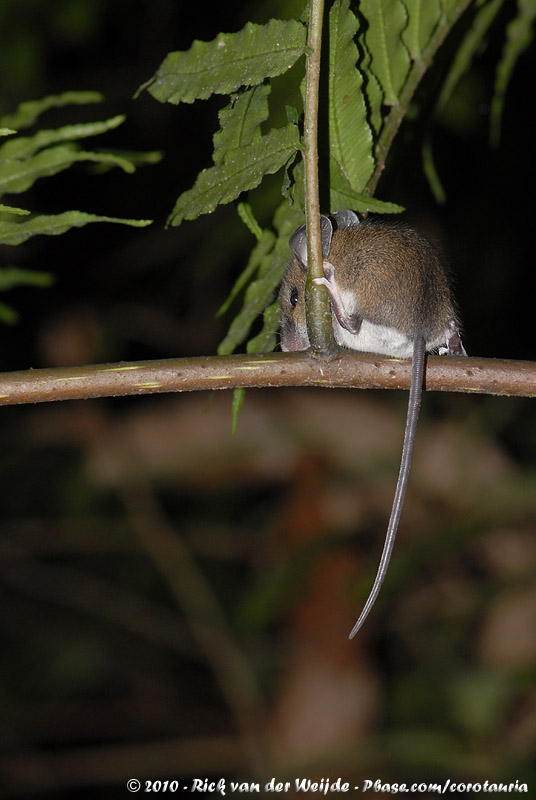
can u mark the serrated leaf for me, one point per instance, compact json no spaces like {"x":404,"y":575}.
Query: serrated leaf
{"x":468,"y":48}
{"x":266,"y":340}
{"x":14,"y":232}
{"x":25,"y":146}
{"x":350,"y":136}
{"x":242,"y":170}
{"x":390,"y":60}
{"x":423,"y":18}
{"x":29,"y":111}
{"x":257,"y":296}
{"x":240,"y":121}
{"x":229,"y":61}
{"x":245,"y":212}
{"x":13,"y":276}
{"x":519,"y":35}
{"x":373,"y":90}
{"x":261,"y":291}
{"x":293,"y":188}
{"x":343,"y":196}
{"x":259,"y":252}
{"x":18,"y":175}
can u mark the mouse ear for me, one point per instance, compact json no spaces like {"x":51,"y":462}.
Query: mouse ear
{"x":298,"y":240}
{"x":345,"y":219}
{"x":326,"y":233}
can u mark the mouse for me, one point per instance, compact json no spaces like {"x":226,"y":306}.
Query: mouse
{"x":390,"y":294}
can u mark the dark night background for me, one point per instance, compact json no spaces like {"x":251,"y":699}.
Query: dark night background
{"x":175,"y":601}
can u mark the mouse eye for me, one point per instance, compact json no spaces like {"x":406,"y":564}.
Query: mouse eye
{"x":294,"y":297}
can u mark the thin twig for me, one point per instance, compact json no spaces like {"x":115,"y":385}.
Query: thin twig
{"x":349,"y":369}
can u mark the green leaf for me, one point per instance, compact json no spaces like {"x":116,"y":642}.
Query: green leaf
{"x":350,"y":136}
{"x":14,"y":232}
{"x":7,"y":131}
{"x":8,"y":315}
{"x":240,"y":121}
{"x":245,"y":212}
{"x":239,"y":395}
{"x":13,"y":276}
{"x":136,"y":158}
{"x":431,"y":173}
{"x":451,"y":8}
{"x":229,"y":61}
{"x":467,"y":49}
{"x":18,"y":175}
{"x":293,"y":118}
{"x":13,"y":210}
{"x":262,"y":249}
{"x":25,"y":146}
{"x":266,"y":340}
{"x":28,"y":112}
{"x":293,"y":188}
{"x":373,"y":90}
{"x":390,"y":60}
{"x":423,"y":19}
{"x":260,"y":292}
{"x":243,"y":169}
{"x":343,"y":196}
{"x":519,"y":35}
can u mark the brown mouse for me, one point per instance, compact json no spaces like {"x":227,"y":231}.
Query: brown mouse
{"x":389,"y":294}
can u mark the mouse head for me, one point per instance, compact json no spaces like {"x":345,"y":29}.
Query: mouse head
{"x":292,"y":316}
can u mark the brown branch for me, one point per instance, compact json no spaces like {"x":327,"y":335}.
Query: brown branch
{"x":347,"y":370}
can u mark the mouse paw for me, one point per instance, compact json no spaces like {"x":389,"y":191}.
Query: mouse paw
{"x":351,"y":322}
{"x":454,"y":342}
{"x":453,"y":346}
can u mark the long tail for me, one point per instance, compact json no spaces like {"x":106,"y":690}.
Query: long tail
{"x":414,"y":404}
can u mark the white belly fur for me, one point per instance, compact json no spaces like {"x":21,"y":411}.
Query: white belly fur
{"x":374,"y":339}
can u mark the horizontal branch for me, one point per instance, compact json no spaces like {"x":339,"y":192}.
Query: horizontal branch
{"x":348,"y":370}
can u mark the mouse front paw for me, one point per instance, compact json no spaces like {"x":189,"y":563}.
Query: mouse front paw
{"x":348,"y":321}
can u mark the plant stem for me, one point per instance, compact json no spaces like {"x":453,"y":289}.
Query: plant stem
{"x":318,"y":306}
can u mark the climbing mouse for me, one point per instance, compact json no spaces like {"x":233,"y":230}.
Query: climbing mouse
{"x":389,"y":294}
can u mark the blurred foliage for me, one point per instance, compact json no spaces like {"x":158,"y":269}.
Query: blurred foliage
{"x":27,"y":159}
{"x":110,"y":668}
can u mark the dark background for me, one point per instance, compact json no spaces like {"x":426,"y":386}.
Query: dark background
{"x":175,"y":601}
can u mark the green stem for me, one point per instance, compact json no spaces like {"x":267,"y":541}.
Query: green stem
{"x":318,"y":306}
